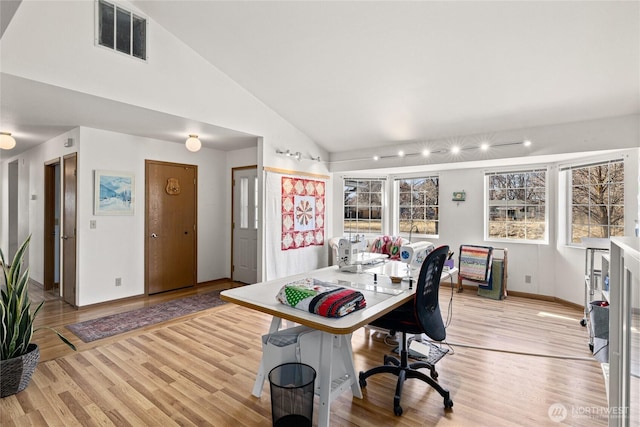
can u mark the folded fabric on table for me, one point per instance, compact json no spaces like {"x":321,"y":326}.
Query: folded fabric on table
{"x":322,"y":298}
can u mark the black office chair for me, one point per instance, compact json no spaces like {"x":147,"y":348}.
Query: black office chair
{"x":422,"y":315}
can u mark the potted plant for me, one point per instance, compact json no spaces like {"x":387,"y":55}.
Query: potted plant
{"x":18,"y":355}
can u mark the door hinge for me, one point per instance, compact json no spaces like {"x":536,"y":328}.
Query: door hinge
{"x":75,"y":172}
{"x":233,"y":268}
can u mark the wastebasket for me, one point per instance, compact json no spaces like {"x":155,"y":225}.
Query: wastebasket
{"x":599,"y":318}
{"x":292,"y":390}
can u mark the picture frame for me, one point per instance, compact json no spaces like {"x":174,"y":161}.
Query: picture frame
{"x":114,"y":193}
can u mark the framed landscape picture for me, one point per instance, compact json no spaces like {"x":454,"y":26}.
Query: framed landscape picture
{"x":114,"y":193}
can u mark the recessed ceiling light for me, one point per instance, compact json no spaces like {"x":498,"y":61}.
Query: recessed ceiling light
{"x":484,"y":146}
{"x":455,"y":149}
{"x":426,"y":152}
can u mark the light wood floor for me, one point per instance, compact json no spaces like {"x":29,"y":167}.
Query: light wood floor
{"x":199,"y":370}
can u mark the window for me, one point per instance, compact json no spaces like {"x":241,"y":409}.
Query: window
{"x":418,"y":205}
{"x":516,"y":205}
{"x":255,"y":203}
{"x":121,"y":30}
{"x":597,"y":200}
{"x":244,"y":202}
{"x":363,"y":205}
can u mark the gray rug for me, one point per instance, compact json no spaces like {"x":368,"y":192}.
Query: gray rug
{"x":107,"y":326}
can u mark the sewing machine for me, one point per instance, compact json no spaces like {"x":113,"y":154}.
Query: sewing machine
{"x":353,"y":254}
{"x":414,"y":255}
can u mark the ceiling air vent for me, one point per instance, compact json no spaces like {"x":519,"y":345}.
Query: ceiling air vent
{"x":121,"y":30}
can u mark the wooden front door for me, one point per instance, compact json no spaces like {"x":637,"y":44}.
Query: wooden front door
{"x":171,"y":239}
{"x":68,"y":236}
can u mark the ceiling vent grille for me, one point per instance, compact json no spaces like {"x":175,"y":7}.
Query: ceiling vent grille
{"x":121,"y":30}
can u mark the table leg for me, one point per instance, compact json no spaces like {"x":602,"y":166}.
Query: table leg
{"x":324,"y":377}
{"x":347,"y":358}
{"x":260,"y":377}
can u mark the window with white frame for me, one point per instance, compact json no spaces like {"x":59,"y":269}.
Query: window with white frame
{"x":596,"y":200}
{"x":516,"y":205}
{"x":363,"y":205}
{"x":418,"y":205}
{"x":121,"y":30}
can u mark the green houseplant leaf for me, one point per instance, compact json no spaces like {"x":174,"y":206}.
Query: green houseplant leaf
{"x":16,"y":321}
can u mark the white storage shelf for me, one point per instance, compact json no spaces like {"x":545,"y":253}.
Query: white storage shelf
{"x":624,"y":332}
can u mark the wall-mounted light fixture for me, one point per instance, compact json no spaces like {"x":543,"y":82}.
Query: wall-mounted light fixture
{"x":7,"y":142}
{"x":297,"y":155}
{"x":193,"y":143}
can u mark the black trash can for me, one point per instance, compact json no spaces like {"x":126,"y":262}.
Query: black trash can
{"x":292,"y":390}
{"x":599,"y":318}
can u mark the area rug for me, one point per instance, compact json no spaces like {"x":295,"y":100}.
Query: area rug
{"x":107,"y":326}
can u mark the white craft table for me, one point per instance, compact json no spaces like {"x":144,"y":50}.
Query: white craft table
{"x":381,"y":297}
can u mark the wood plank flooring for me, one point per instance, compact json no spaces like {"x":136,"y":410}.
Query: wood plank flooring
{"x":510,"y":363}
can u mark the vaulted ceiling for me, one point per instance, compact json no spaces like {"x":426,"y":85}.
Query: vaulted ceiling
{"x":352,"y":75}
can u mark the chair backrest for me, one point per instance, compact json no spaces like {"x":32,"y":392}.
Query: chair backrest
{"x":427,"y":307}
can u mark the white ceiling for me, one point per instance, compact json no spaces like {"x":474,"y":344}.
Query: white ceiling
{"x":353,"y":75}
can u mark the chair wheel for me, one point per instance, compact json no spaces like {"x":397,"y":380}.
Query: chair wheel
{"x":362,"y":380}
{"x":434,"y":374}
{"x":583,"y":322}
{"x":397,"y":410}
{"x":448,"y":403}
{"x":591,"y":347}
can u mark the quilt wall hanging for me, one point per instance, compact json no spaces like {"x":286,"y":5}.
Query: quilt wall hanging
{"x":303,"y":212}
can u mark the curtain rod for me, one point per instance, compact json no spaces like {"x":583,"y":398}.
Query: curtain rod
{"x":290,"y":172}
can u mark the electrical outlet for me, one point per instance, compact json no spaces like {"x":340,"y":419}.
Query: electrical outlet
{"x":118,"y":281}
{"x":527,"y":279}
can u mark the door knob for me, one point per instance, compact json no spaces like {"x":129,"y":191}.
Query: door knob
{"x":64,"y":237}
{"x":154,"y":235}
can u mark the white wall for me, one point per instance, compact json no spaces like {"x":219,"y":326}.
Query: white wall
{"x":556,"y":270}
{"x":31,"y":183}
{"x":174,"y":80}
{"x":123,"y":236}
{"x":115,"y":248}
{"x":560,"y":139}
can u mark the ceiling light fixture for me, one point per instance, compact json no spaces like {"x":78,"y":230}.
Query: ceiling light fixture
{"x":193,"y":143}
{"x":7,"y":142}
{"x":454,"y":150}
